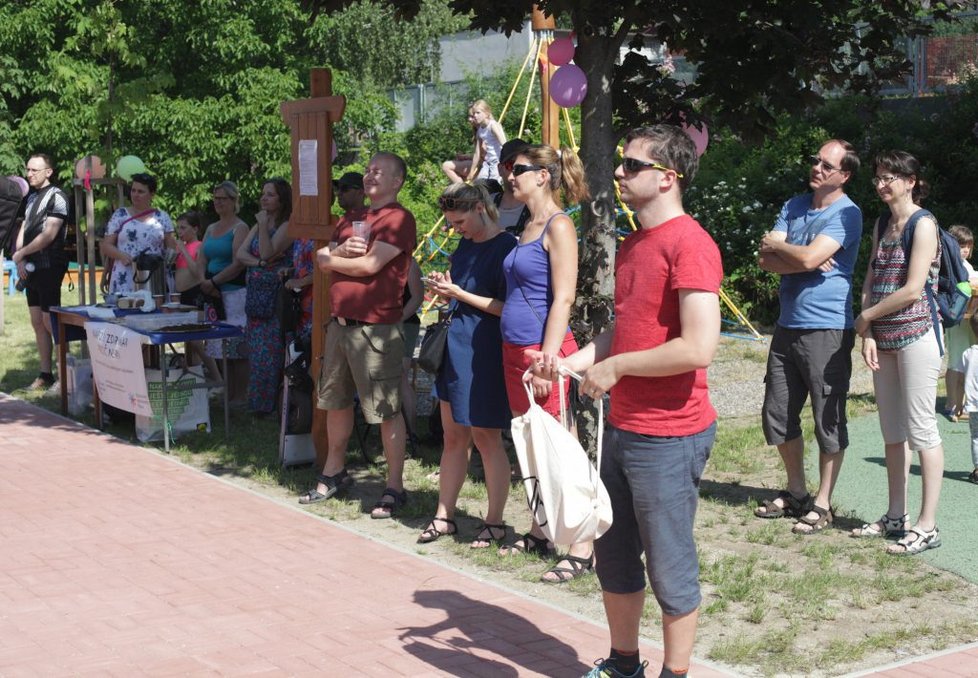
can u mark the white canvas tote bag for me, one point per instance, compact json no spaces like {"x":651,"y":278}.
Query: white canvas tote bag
{"x":563,"y":488}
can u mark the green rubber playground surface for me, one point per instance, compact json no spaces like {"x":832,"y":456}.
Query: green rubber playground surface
{"x":861,"y":491}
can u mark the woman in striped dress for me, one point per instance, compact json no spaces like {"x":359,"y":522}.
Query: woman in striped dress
{"x":900,"y":346}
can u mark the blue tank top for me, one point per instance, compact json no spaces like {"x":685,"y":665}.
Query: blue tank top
{"x":529,"y":292}
{"x":219,"y":256}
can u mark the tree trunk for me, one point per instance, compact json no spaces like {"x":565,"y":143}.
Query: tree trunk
{"x":596,"y":55}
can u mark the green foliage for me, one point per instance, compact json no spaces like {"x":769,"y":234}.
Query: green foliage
{"x":193,"y":89}
{"x":371,"y":42}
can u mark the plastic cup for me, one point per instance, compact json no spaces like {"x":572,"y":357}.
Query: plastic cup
{"x":361,"y":229}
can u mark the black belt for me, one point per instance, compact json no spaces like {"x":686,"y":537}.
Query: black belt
{"x":350,"y":322}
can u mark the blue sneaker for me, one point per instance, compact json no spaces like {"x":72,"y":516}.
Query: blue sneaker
{"x":605,"y":668}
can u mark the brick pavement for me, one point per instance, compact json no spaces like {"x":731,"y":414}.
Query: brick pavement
{"x":115,"y":560}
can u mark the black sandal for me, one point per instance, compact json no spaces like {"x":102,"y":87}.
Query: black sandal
{"x":385,"y":508}
{"x":578,"y":568}
{"x":528,"y":544}
{"x":481,"y":542}
{"x":432,"y":533}
{"x":793,"y":507}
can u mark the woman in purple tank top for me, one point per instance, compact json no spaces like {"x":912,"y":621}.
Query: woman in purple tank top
{"x":900,"y":346}
{"x":541,"y":284}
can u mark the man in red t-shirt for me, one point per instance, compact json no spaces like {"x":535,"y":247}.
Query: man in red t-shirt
{"x":653,"y":362}
{"x":365,"y":341}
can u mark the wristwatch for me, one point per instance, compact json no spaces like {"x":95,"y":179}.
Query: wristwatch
{"x":262,"y":263}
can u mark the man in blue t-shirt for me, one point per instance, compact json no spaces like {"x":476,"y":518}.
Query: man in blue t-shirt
{"x":813,"y":246}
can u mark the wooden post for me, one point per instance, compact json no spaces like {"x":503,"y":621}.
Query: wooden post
{"x":543,"y":25}
{"x":311,"y":121}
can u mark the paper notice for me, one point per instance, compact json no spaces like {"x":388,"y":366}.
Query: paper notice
{"x":308,"y":174}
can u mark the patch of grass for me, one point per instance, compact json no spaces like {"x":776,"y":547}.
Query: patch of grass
{"x":737,"y":449}
{"x":768,"y":533}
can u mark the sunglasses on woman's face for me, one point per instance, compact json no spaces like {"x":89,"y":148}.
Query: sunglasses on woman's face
{"x":523,"y":169}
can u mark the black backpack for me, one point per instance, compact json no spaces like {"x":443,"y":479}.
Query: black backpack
{"x":948,"y":302}
{"x":10,"y":199}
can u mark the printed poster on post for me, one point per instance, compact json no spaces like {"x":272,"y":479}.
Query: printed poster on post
{"x":117,"y":367}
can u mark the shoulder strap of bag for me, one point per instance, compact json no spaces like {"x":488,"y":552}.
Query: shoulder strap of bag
{"x":134,"y":217}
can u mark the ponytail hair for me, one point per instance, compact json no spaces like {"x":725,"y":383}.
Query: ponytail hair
{"x":566,"y":171}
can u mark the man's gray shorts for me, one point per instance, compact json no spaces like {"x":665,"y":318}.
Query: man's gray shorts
{"x":653,"y":483}
{"x":802,"y":363}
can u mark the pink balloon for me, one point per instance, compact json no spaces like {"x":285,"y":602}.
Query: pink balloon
{"x":700,"y":137}
{"x":568,"y":86}
{"x":21,"y":184}
{"x":560,"y":51}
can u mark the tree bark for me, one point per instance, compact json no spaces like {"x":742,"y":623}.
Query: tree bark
{"x":596,"y":55}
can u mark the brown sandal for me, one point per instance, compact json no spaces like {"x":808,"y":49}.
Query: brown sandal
{"x":793,"y":507}
{"x":806,"y":525}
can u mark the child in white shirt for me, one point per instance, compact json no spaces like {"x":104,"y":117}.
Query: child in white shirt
{"x":970,"y":364}
{"x":960,"y":337}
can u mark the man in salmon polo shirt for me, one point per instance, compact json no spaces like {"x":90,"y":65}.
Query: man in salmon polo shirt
{"x":653,"y":362}
{"x":365,"y":340}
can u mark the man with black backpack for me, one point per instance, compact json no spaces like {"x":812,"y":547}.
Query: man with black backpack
{"x":40,"y":256}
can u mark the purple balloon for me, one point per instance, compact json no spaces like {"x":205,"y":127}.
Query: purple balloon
{"x":568,"y":86}
{"x":560,"y":51}
{"x":21,"y":184}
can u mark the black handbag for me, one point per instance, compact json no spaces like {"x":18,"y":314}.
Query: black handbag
{"x":432,"y":351}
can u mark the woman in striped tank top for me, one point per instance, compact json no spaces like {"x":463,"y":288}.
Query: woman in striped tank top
{"x":900,"y":345}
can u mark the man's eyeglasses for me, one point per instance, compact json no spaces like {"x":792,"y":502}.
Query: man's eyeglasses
{"x":32,"y":170}
{"x":447,"y":204}
{"x":523,"y":169}
{"x":634,"y":165}
{"x":818,"y":162}
{"x":884,"y":180}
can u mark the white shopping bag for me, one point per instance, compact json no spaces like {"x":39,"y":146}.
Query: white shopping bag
{"x":79,"y":385}
{"x":563,"y":488}
{"x":187,"y":409}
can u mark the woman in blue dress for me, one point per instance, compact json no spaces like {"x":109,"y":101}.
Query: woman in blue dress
{"x":266,"y":251}
{"x":469,"y":385}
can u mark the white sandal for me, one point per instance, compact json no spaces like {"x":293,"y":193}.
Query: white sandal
{"x":884,"y":527}
{"x":916,"y":541}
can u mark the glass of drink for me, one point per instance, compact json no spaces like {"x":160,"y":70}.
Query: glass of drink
{"x":361,"y":229}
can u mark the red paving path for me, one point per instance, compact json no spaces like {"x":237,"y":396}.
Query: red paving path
{"x":117,"y":561}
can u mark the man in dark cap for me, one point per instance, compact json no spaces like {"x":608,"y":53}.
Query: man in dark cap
{"x":348,"y":190}
{"x":513,"y":214}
